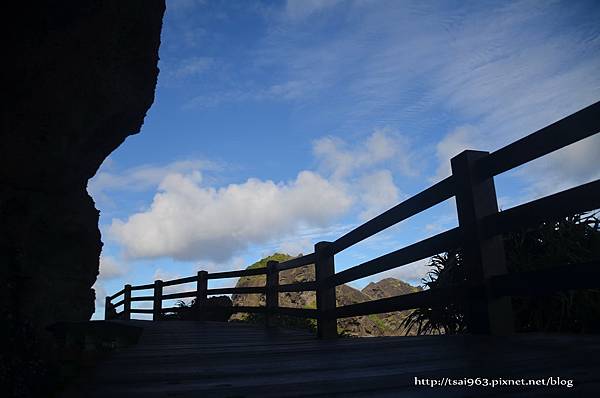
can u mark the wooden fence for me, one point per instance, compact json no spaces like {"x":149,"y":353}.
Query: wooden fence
{"x":488,"y":288}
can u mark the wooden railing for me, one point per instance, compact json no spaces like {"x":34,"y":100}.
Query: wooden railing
{"x":488,"y":287}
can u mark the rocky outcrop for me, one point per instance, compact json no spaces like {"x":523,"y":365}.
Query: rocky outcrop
{"x":388,"y":287}
{"x":388,"y":324}
{"x":81,"y":75}
{"x":391,"y":322}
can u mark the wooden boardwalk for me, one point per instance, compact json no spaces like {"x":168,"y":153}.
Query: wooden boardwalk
{"x":211,"y":359}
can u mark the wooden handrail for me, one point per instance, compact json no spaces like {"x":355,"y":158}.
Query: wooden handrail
{"x":417,"y":251}
{"x":117,"y":294}
{"x":237,"y":274}
{"x":478,"y":234}
{"x":142,"y":311}
{"x":238,"y":290}
{"x":180,"y":281}
{"x":142,"y":298}
{"x":422,"y":201}
{"x":585,"y":197}
{"x":178,"y":295}
{"x":143,"y":287}
{"x":297,"y":262}
{"x":430,"y":297}
{"x":573,"y":128}
{"x":118,"y":303}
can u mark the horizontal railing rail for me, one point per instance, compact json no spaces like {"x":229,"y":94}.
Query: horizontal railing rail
{"x":141,"y":287}
{"x":430,"y":197}
{"x":297,"y":262}
{"x":237,"y":274}
{"x":409,"y":254}
{"x":579,"y":199}
{"x":567,"y":131}
{"x":478,"y":234}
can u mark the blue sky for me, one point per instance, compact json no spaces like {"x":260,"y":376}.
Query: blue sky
{"x":279,"y":124}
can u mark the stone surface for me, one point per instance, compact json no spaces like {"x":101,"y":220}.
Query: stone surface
{"x":82,"y":76}
{"x":388,"y":287}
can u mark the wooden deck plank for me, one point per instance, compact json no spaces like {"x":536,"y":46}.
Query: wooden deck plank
{"x":207,"y":359}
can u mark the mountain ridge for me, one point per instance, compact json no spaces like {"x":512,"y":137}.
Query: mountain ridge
{"x":388,"y":324}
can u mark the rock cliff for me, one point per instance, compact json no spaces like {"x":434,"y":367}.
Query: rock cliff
{"x":81,"y":76}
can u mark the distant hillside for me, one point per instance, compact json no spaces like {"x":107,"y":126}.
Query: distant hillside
{"x":371,"y":325}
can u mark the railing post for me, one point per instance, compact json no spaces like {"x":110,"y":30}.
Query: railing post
{"x":127,"y":302}
{"x":272,"y":294}
{"x":201,"y":288}
{"x":157,"y":302}
{"x":107,"y":308}
{"x":483,"y":257}
{"x":324,"y":268}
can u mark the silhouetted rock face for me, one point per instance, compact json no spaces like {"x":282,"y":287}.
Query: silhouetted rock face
{"x":82,"y":77}
{"x":372,"y":325}
{"x":388,"y":287}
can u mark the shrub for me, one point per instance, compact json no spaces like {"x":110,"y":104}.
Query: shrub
{"x":570,"y":240}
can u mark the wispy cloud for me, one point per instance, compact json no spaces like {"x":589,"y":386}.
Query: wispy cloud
{"x":142,"y":178}
{"x":472,"y":76}
{"x":382,"y":146}
{"x":185,"y":70}
{"x":566,"y":168}
{"x":301,"y":9}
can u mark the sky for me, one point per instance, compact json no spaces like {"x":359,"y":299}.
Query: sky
{"x":279,"y":124}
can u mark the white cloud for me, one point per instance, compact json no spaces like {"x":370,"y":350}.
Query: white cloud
{"x":163,"y":275}
{"x":100,"y":297}
{"x":563,"y":169}
{"x":458,"y":140}
{"x":367,"y":168}
{"x":187,"y":221}
{"x":297,"y":246}
{"x":378,"y":193}
{"x":342,"y":160}
{"x":141,"y":178}
{"x":110,"y":268}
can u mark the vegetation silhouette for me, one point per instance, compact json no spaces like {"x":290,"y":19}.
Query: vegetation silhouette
{"x":570,"y":240}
